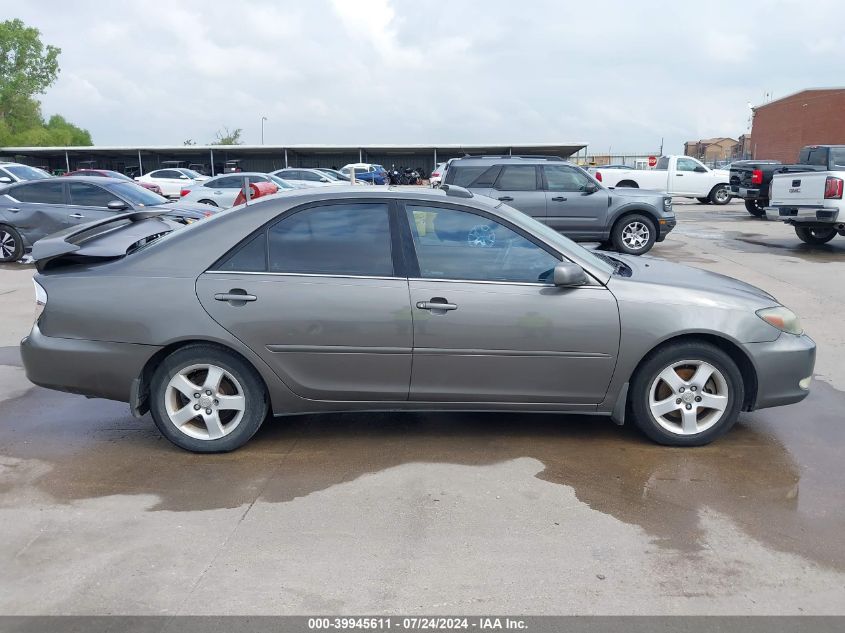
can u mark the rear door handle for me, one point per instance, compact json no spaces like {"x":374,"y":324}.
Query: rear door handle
{"x":436,"y":305}
{"x":559,"y":199}
{"x":679,"y":175}
{"x":506,"y":199}
{"x":76,"y":215}
{"x":234,"y":296}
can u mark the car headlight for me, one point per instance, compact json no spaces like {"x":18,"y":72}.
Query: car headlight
{"x":667,"y":204}
{"x":781,"y":318}
{"x":40,"y":299}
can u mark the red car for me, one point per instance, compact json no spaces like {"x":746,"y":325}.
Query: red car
{"x":108,"y":173}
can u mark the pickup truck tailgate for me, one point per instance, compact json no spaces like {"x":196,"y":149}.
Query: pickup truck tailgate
{"x":803,"y":189}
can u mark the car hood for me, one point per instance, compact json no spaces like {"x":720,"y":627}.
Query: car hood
{"x":655,"y":271}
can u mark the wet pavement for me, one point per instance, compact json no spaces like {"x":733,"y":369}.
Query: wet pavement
{"x":439,"y":513}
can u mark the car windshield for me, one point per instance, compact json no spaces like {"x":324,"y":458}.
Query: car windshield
{"x":117,"y":174}
{"x":328,"y":175}
{"x":336,"y":174}
{"x":25,"y":172}
{"x":564,"y":243}
{"x":282,"y":184}
{"x":137,"y":195}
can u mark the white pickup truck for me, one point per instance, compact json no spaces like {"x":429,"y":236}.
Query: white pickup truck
{"x":680,"y":176}
{"x":809,"y":197}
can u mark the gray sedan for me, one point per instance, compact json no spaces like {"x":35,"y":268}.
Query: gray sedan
{"x":355,"y":298}
{"x":34,"y":209}
{"x":221,"y":191}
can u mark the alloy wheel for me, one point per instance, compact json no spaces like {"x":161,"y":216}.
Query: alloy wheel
{"x":722,"y":195}
{"x":635,"y":235}
{"x":8,"y":245}
{"x":688,"y":397}
{"x":204,"y":401}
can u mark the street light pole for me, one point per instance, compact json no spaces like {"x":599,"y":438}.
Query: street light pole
{"x":264,"y":118}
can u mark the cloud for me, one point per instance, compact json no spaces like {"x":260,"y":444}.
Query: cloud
{"x":383,"y":71}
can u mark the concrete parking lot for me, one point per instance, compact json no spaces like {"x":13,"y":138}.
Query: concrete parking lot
{"x":446,"y":513}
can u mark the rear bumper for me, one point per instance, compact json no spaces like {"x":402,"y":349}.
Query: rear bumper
{"x":745,"y":193}
{"x":97,"y":369}
{"x":781,"y":364}
{"x":795,"y":214}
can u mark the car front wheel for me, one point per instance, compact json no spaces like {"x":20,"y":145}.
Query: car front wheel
{"x":11,"y":244}
{"x":207,"y":400}
{"x":687,"y":394}
{"x":720,"y":195}
{"x":634,"y":234}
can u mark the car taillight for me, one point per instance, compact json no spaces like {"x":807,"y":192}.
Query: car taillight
{"x":832,"y":188}
{"x":598,"y":176}
{"x":184,"y":192}
{"x":757,"y":177}
{"x":40,"y":299}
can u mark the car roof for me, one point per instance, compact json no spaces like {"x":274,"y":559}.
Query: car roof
{"x":507,"y":160}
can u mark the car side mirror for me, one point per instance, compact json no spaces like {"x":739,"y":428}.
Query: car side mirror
{"x":591,"y":187}
{"x":569,"y":274}
{"x":183,"y":177}
{"x":701,"y":170}
{"x":5,"y":179}
{"x":116,"y":205}
{"x":324,"y":180}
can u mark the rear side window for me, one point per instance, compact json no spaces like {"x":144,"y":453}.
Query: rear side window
{"x":343,"y":239}
{"x":463,"y":176}
{"x":517,"y":178}
{"x":88,"y":195}
{"x":250,"y":257}
{"x":41,"y":192}
{"x":816,"y":156}
{"x":837,"y":158}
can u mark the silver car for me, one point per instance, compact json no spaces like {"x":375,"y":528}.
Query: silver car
{"x":340,"y":299}
{"x":221,"y":191}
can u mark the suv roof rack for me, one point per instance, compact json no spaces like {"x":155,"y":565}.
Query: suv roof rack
{"x":531,"y":156}
{"x":456,"y":192}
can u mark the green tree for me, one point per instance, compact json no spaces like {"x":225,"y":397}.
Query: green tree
{"x":226,"y":137}
{"x":27,"y":68}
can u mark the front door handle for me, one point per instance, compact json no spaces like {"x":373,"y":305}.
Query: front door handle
{"x":506,"y":199}
{"x":679,"y":175}
{"x":13,"y":209}
{"x":236,"y":296}
{"x":76,"y":216}
{"x":559,"y":199}
{"x":218,"y":193}
{"x":437,"y":303}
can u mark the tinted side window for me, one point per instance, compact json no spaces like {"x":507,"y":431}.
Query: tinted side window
{"x":308,"y":175}
{"x":228,"y":182}
{"x":454,"y":244}
{"x":462,"y":176}
{"x":253,"y":179}
{"x":42,"y":192}
{"x":88,"y":195}
{"x":250,"y":257}
{"x":517,"y":178}
{"x":563,"y":178}
{"x":343,"y":239}
{"x":165,"y":173}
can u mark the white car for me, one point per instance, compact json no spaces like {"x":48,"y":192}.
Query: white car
{"x":222,"y":190}
{"x":437,"y":175}
{"x":680,"y":176}
{"x":308,"y":177}
{"x":171,"y":181}
{"x":18,"y":172}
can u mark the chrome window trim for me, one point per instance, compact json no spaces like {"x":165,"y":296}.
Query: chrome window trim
{"x":324,"y":275}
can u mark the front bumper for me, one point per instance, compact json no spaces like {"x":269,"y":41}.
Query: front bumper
{"x":97,"y":369}
{"x":781,"y":364}
{"x":665,"y":226}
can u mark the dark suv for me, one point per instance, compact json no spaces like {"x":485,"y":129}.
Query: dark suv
{"x":568,"y":199}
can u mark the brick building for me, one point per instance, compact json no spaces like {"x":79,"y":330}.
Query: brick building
{"x":710,"y":150}
{"x":809,"y":117}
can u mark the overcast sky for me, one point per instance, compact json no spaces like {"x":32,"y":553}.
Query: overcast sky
{"x":618,"y":75}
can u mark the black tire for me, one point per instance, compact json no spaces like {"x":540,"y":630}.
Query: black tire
{"x":704,"y":200}
{"x":647,"y":374}
{"x":11,"y":244}
{"x":209,"y":202}
{"x":245,"y":377}
{"x":815,"y":236}
{"x":621,"y":234}
{"x":628,"y":183}
{"x":720,"y":195}
{"x":757,"y":208}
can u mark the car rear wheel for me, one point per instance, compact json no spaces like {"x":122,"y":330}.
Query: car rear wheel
{"x":11,"y":244}
{"x":720,"y":195}
{"x":208,"y":202}
{"x":687,"y":394}
{"x":207,"y":400}
{"x":757,"y":208}
{"x":815,"y":236}
{"x":633,"y":234}
{"x":704,"y":200}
